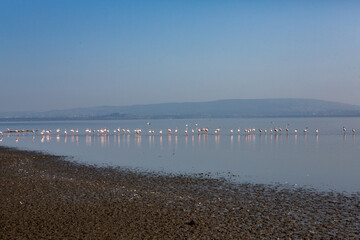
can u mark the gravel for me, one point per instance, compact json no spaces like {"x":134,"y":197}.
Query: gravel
{"x":48,"y":197}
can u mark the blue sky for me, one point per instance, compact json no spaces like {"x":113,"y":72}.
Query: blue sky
{"x":66,"y":54}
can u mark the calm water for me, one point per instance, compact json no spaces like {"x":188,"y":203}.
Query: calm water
{"x":327,"y":161}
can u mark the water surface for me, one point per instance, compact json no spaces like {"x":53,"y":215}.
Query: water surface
{"x":328,"y":160}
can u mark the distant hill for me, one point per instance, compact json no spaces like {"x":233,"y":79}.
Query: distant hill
{"x":231,"y":108}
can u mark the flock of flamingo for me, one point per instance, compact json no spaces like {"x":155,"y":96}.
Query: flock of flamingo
{"x":169,"y":131}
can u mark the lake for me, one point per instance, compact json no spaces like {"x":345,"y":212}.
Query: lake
{"x":325,"y":161}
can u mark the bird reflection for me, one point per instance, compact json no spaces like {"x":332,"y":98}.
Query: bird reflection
{"x":138,"y":140}
{"x":151,"y":140}
{"x":161,"y":141}
{"x":88,"y":140}
{"x":217,"y":139}
{"x":103,"y":140}
{"x":305,"y":137}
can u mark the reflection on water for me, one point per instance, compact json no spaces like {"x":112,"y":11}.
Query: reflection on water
{"x":202,"y":139}
{"x":327,"y":160}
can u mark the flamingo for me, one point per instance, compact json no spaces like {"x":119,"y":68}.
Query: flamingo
{"x":204,"y":130}
{"x":295,"y":131}
{"x":353,"y":130}
{"x":316,"y":131}
{"x":344,"y":130}
{"x":305,"y":130}
{"x":231,"y":131}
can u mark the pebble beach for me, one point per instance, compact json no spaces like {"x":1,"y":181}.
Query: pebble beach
{"x":51,"y":197}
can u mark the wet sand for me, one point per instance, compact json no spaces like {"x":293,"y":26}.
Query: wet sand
{"x":43,"y":196}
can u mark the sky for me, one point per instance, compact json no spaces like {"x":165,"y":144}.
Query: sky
{"x":68,"y":54}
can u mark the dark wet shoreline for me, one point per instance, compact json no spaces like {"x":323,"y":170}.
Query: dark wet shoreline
{"x":44,"y":196}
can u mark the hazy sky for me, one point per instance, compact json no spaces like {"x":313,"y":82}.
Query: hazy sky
{"x":65,"y":54}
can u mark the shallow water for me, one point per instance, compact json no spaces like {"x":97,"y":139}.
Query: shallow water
{"x":325,"y":161}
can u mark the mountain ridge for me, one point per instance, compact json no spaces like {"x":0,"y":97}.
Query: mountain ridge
{"x":274,"y":107}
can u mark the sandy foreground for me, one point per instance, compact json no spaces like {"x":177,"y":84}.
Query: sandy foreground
{"x":45,"y":197}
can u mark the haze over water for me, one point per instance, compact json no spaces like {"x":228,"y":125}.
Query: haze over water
{"x":327,"y":161}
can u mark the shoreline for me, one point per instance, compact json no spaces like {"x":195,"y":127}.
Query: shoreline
{"x":45,"y":196}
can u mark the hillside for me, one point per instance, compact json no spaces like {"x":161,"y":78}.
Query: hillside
{"x":214,"y":109}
